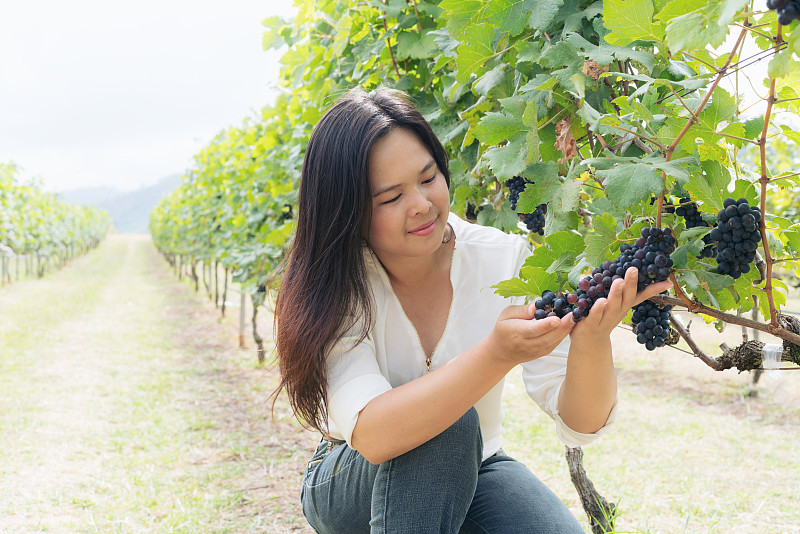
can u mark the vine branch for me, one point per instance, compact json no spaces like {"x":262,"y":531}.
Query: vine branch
{"x":697,"y":307}
{"x":764,"y":180}
{"x":693,"y":119}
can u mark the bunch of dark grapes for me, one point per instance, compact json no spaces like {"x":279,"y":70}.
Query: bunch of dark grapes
{"x":516,"y":185}
{"x":737,"y":236}
{"x":650,"y":255}
{"x":554,"y":304}
{"x":691,"y":215}
{"x":651,"y":324}
{"x":788,"y":10}
{"x":535,"y":221}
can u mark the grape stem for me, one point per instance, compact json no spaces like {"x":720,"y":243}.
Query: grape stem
{"x":697,"y":307}
{"x":693,"y":119}
{"x":764,"y":180}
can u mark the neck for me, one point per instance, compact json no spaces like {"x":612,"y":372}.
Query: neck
{"x":404,"y":271}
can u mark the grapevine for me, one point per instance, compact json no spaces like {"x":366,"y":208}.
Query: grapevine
{"x":602,"y":106}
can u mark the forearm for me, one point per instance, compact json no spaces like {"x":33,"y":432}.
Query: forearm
{"x":409,"y":415}
{"x":590,"y":387}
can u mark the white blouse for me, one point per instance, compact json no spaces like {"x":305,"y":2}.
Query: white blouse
{"x":392,"y":354}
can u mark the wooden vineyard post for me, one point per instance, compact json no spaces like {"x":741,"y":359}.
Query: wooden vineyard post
{"x":241,"y":318}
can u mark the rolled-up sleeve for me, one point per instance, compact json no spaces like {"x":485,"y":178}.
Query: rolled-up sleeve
{"x":543,"y":379}
{"x":354,"y":379}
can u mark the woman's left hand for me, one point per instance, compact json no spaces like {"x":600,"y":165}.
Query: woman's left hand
{"x":607,"y":313}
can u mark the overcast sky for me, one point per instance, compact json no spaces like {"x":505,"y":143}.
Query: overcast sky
{"x":123,"y":94}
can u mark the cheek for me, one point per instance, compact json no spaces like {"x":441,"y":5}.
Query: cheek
{"x":379,"y":223}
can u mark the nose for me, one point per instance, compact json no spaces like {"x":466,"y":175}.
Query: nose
{"x":420,"y":204}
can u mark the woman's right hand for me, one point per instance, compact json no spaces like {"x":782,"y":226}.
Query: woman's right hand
{"x":517,"y":337}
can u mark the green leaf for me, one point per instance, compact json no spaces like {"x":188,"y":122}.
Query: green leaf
{"x":631,"y":183}
{"x":575,"y":273}
{"x":711,"y":186}
{"x":509,"y":15}
{"x":410,"y":44}
{"x":460,"y":13}
{"x":781,"y":65}
{"x":753,"y":127}
{"x":630,"y":20}
{"x":602,"y":243}
{"x":545,"y":175}
{"x":496,"y":127}
{"x":473,"y":55}
{"x":539,"y":280}
{"x":563,"y":264}
{"x":272,"y":37}
{"x":514,"y":288}
{"x":543,"y":13}
{"x":508,"y":160}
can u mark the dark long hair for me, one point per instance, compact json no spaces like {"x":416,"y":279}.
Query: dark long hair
{"x":324,"y":291}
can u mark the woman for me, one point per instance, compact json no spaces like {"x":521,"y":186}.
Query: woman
{"x":392,"y":344}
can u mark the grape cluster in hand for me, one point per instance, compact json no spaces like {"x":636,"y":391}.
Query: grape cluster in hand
{"x":534,"y":222}
{"x":737,"y":236}
{"x":788,"y":10}
{"x":651,"y":324}
{"x":691,"y":215}
{"x":650,"y":255}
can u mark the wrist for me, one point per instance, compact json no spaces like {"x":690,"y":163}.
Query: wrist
{"x":589,"y":345}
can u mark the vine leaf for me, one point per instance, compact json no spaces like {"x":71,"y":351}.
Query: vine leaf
{"x":603,"y":240}
{"x":473,"y":55}
{"x":631,"y":183}
{"x":711,"y":186}
{"x":416,"y":46}
{"x":509,"y":15}
{"x":508,"y":160}
{"x":630,"y":20}
{"x":545,"y":175}
{"x":543,"y":13}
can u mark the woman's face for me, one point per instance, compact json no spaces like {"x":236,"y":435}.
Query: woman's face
{"x":410,"y":200}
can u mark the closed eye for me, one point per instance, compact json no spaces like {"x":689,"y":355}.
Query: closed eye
{"x":429,"y":180}
{"x":392,"y":200}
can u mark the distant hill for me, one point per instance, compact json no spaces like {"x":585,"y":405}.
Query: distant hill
{"x":130,"y":210}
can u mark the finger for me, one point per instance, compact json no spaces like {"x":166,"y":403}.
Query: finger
{"x":616,"y":296}
{"x":596,"y":313}
{"x":631,"y":283}
{"x":553,"y":325}
{"x":652,"y":290}
{"x":517,"y":312}
{"x":536,"y":328}
{"x":556,"y":335}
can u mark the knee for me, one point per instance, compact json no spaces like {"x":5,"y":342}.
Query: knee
{"x":464,"y":435}
{"x":468,"y":425}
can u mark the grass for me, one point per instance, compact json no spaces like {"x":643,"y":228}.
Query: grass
{"x":125,"y":408}
{"x":689,"y":452}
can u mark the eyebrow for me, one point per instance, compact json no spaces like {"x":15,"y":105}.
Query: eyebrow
{"x":424,"y":169}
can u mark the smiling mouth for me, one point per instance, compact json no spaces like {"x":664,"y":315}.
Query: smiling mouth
{"x":424,"y":227}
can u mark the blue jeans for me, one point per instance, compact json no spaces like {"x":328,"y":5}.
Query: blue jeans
{"x":440,"y":487}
